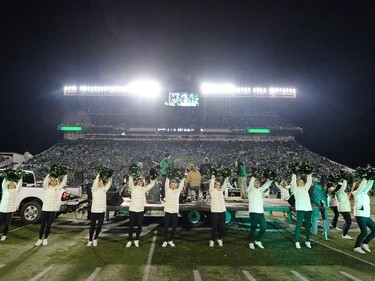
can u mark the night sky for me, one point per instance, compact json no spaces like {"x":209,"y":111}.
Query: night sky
{"x":325,"y":50}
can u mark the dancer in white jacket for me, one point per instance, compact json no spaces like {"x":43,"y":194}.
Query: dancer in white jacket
{"x":171,"y":207}
{"x":8,"y":203}
{"x":284,"y":190}
{"x":344,"y":208}
{"x":256,"y":211}
{"x":137,"y":207}
{"x":98,"y":208}
{"x":303,"y":208}
{"x":52,"y":192}
{"x":362,"y":216}
{"x":218,"y":210}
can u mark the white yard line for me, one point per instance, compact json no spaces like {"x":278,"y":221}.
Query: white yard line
{"x":19,"y":228}
{"x":299,"y":276}
{"x":248,"y":275}
{"x":149,"y":259}
{"x":94,"y":274}
{"x":40,"y":274}
{"x":197,"y":276}
{"x":350,"y":276}
{"x":349,"y":255}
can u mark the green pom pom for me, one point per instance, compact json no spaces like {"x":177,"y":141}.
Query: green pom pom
{"x":306,"y":168}
{"x":134,"y":170}
{"x":294,"y":168}
{"x":173,"y":173}
{"x":56,"y":171}
{"x":13,"y":174}
{"x":270,"y":174}
{"x":104,"y":172}
{"x":214,"y":172}
{"x":153,"y":174}
{"x":256,"y":172}
{"x":226,"y":172}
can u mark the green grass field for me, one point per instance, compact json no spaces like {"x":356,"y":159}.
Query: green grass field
{"x":72,"y":260}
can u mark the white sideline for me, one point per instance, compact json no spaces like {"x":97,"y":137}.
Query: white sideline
{"x":94,"y":274}
{"x":40,"y":274}
{"x":349,"y":276}
{"x":197,"y":276}
{"x":149,"y":259}
{"x":248,"y":275}
{"x":303,"y":278}
{"x":2,"y":265}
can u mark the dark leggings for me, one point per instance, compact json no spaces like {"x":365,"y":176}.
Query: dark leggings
{"x":135,"y":218}
{"x":255,"y":219}
{"x":348,"y":222}
{"x":6,"y":218}
{"x":93,"y":218}
{"x":363,"y":223}
{"x":300,"y":216}
{"x":170,"y":219}
{"x":218,"y":223}
{"x":45,"y":223}
{"x":335,"y":217}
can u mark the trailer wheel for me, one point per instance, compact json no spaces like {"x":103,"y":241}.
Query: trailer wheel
{"x":229,"y":217}
{"x":194,"y":218}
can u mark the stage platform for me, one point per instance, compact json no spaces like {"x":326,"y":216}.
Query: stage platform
{"x":233,"y":205}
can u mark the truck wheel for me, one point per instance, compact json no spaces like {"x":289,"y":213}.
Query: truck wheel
{"x":31,"y":212}
{"x":229,"y":217}
{"x":194,"y":218}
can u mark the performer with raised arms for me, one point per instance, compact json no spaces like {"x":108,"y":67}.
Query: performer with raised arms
{"x":171,"y":207}
{"x":52,"y":193}
{"x":218,"y":209}
{"x":256,"y":211}
{"x":362,"y":215}
{"x":303,"y":208}
{"x":137,"y":207}
{"x":98,"y":208}
{"x":8,"y":200}
{"x":344,"y":207}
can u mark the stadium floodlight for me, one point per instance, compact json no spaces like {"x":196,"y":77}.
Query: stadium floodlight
{"x":262,"y":92}
{"x":143,"y":87}
{"x":208,"y":88}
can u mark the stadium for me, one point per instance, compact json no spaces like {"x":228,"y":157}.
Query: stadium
{"x":121,"y":125}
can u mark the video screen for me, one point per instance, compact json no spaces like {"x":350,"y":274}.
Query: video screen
{"x":183,"y":99}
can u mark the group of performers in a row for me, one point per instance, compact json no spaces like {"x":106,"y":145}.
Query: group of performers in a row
{"x":138,"y":188}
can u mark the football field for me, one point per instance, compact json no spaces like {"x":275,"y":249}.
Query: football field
{"x":66,"y":257}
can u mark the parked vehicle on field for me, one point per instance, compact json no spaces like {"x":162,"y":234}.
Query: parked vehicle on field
{"x":30,"y":199}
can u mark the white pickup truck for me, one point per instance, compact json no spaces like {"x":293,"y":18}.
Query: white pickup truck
{"x":30,"y":199}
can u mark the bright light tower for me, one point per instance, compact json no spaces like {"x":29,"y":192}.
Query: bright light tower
{"x":146,"y":88}
{"x":143,"y":87}
{"x":259,"y":92}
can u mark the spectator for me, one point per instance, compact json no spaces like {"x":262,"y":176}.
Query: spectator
{"x":193,"y":182}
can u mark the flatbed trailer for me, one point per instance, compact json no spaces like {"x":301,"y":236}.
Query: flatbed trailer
{"x":194,"y":213}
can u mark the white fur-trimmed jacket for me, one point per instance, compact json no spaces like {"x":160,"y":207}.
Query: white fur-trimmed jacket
{"x":217,"y":196}
{"x":51,"y":200}
{"x":99,"y":196}
{"x":9,"y":197}
{"x":138,"y":195}
{"x":301,"y":193}
{"x":362,"y":200}
{"x":256,"y":196}
{"x":172,"y":197}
